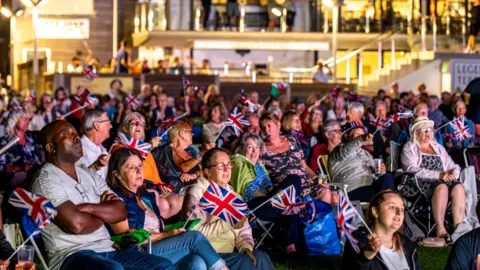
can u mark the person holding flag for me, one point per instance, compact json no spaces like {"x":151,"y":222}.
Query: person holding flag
{"x":384,"y":247}
{"x":228,"y":234}
{"x":217,"y":115}
{"x":460,"y":131}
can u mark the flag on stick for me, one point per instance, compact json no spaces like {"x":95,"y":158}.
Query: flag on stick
{"x":223,"y":203}
{"x":236,"y":121}
{"x":286,"y":199}
{"x":141,"y":147}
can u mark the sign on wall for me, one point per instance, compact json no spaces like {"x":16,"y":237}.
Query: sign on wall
{"x":462,"y":72}
{"x":63,"y":28}
{"x":101,"y":85}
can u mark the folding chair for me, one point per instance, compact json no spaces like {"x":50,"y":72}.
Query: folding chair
{"x":266,"y":231}
{"x":472,"y":158}
{"x":322,"y":162}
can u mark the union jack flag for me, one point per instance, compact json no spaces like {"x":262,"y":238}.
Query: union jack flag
{"x":349,"y":96}
{"x":86,"y":98}
{"x":397,"y":117}
{"x":222,"y":203}
{"x":186,"y":83}
{"x":170,"y":121}
{"x":356,"y":124}
{"x":286,"y":200}
{"x":247,"y":102}
{"x":89,"y":72}
{"x":32,"y":98}
{"x":141,"y":147}
{"x":346,"y":213}
{"x":15,"y":105}
{"x":236,"y":121}
{"x":335,"y":92}
{"x":460,"y":131}
{"x":132,"y":101}
{"x":403,"y":109}
{"x":377,"y":122}
{"x":39,"y":208}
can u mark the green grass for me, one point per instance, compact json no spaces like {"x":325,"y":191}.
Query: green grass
{"x":430,"y":258}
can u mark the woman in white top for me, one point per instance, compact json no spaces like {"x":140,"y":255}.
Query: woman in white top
{"x":384,"y":248}
{"x":46,"y":114}
{"x":338,"y":113}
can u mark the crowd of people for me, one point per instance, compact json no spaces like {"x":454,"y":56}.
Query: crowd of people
{"x":124,"y":164}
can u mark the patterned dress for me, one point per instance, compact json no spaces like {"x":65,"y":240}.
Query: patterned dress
{"x":261,"y":182}
{"x":281,"y":165}
{"x":429,"y":162}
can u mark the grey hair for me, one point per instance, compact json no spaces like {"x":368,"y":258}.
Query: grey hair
{"x":329,"y":125}
{"x":418,"y":107}
{"x":454,"y":108}
{"x":89,"y":119}
{"x":12,"y":120}
{"x":276,"y":110}
{"x":126,"y":122}
{"x":242,"y":147}
{"x":357,"y":106}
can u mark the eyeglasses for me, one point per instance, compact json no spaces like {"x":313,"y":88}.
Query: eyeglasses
{"x":82,"y":191}
{"x":103,"y":121}
{"x":136,"y":124}
{"x":425,"y":130}
{"x":222,"y":166}
{"x":335,"y":131}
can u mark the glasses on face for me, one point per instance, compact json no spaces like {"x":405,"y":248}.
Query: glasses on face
{"x":425,"y":130}
{"x":82,"y":191}
{"x":223,"y":166}
{"x":335,"y":131}
{"x":103,"y":121}
{"x":136,"y":124}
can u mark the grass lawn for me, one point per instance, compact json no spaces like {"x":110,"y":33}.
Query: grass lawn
{"x":431,"y":259}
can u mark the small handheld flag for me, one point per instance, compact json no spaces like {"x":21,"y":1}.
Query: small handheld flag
{"x":285,"y":200}
{"x":132,"y":101}
{"x":395,"y":118}
{"x":32,"y":98}
{"x":278,"y":87}
{"x":141,"y":147}
{"x":335,"y":92}
{"x":236,"y":121}
{"x":86,"y":98}
{"x":15,"y":105}
{"x":39,"y":208}
{"x":252,"y":107}
{"x":222,"y":203}
{"x":89,"y":72}
{"x":346,"y":213}
{"x":460,"y":131}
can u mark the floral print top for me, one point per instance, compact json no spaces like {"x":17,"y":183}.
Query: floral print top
{"x":261,"y":182}
{"x":19,"y":158}
{"x":280,"y":165}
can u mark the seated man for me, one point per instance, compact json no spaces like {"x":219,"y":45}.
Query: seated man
{"x":78,"y":239}
{"x":351,"y":165}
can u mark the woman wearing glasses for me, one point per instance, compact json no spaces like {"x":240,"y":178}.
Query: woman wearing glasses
{"x":177,"y":161}
{"x":436,"y":172}
{"x":224,"y":238}
{"x":133,"y":126}
{"x":333,"y":134}
{"x":187,"y":250}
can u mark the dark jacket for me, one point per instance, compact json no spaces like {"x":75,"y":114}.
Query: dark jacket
{"x":352,"y":260}
{"x":136,"y":215}
{"x":465,"y":252}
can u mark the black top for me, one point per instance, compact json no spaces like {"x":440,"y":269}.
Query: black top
{"x":465,"y":252}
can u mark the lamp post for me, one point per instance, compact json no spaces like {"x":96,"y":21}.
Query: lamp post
{"x":34,"y":5}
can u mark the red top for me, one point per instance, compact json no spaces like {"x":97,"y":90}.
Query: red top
{"x":318,"y":150}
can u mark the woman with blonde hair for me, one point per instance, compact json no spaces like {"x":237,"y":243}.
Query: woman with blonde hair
{"x":212,"y":95}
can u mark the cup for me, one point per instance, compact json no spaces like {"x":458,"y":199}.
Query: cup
{"x":378,"y":164}
{"x":26,"y":254}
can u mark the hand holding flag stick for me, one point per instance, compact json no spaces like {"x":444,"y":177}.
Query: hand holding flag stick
{"x":74,"y":111}
{"x":9,"y":144}
{"x":190,"y":217}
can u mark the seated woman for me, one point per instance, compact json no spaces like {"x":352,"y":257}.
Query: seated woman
{"x":188,"y":250}
{"x":250,"y":179}
{"x":453,"y":143}
{"x":291,"y":124}
{"x":284,"y":159}
{"x":224,"y":238}
{"x":47,"y":113}
{"x":133,"y":125}
{"x":386,"y":248}
{"x":333,"y":135}
{"x":338,"y":112}
{"x":313,"y":124}
{"x":436,"y":172}
{"x":217,"y":114}
{"x":178,"y":163}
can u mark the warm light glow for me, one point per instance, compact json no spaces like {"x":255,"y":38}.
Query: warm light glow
{"x":276,"y":12}
{"x":19,"y":12}
{"x":42,"y":3}
{"x":327,"y":3}
{"x":6,"y":12}
{"x":27,"y":3}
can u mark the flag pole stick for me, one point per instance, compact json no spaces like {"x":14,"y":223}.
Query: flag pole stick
{"x":265,"y":202}
{"x":9,"y":144}
{"x":23,"y":244}
{"x":75,"y":110}
{"x":166,"y":131}
{"x":39,"y":254}
{"x":220,"y":133}
{"x":445,"y":125}
{"x":189,"y":218}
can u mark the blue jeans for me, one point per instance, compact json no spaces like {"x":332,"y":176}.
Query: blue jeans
{"x":115,"y":260}
{"x":240,"y":261}
{"x":189,"y":250}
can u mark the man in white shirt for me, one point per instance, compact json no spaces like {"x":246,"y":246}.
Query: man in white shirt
{"x":78,"y":238}
{"x":319,"y":75}
{"x":96,"y":126}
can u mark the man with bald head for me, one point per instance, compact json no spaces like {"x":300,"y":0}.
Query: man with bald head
{"x":78,"y":239}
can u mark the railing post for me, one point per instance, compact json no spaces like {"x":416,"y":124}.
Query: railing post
{"x":464,"y":32}
{"x":447,"y":22}
{"x":360,"y":70}
{"x":241,"y":23}
{"x":393,"y":53}
{"x":347,"y":75}
{"x":434,"y":29}
{"x":380,"y":55}
{"x":254,"y":76}
{"x":325,"y":20}
{"x":290,"y":77}
{"x":283,"y":21}
{"x":334,"y":39}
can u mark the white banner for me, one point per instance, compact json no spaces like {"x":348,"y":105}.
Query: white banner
{"x":462,"y":72}
{"x":63,"y":28}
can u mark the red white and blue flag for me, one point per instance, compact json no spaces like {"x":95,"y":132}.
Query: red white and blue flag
{"x":252,"y":107}
{"x":86,"y":98}
{"x":403,"y":109}
{"x":141,"y":147}
{"x":171,"y":121}
{"x":15,"y":105}
{"x":350,"y":96}
{"x":335,"y":92}
{"x":395,"y":118}
{"x":39,"y":208}
{"x":461,"y":131}
{"x":223,"y":203}
{"x":237,"y":121}
{"x":32,"y":98}
{"x":89,"y":72}
{"x":377,"y":122}
{"x":186,"y":83}
{"x":286,"y":200}
{"x":132,"y":101}
{"x":346,"y":213}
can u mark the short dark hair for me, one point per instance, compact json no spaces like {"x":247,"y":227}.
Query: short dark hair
{"x":207,"y":159}
{"x":404,"y":94}
{"x":381,"y":91}
{"x":114,"y":81}
{"x":124,"y":42}
{"x":75,"y":59}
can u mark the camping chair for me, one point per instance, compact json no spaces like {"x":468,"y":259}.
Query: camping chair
{"x":322,"y":161}
{"x":266,"y":226}
{"x":472,"y":158}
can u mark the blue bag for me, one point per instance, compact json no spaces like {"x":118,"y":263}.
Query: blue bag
{"x":321,"y":230}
